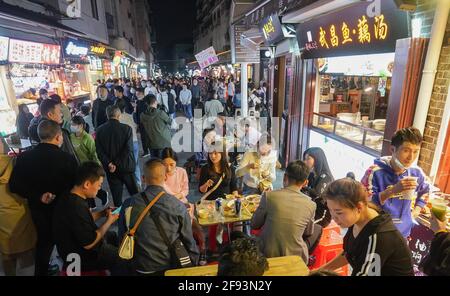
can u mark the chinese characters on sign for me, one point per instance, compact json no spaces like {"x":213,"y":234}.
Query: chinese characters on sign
{"x":363,"y":34}
{"x":97,"y":49}
{"x":4,"y":48}
{"x":32,"y":52}
{"x":272,"y":29}
{"x":207,"y":57}
{"x":351,"y":32}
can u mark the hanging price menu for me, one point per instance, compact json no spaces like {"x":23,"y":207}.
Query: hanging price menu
{"x":32,"y":52}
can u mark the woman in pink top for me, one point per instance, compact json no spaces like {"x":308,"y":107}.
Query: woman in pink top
{"x":177,"y":184}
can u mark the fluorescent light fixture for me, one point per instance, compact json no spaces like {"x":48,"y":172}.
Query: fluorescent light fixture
{"x":369,"y":89}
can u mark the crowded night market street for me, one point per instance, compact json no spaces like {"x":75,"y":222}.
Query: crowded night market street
{"x":187,"y":138}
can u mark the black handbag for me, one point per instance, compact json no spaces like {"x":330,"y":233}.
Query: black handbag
{"x":179,"y":255}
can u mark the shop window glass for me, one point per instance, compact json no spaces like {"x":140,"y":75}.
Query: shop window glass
{"x":352,"y":97}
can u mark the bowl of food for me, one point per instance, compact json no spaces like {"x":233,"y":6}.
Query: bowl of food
{"x":203,"y":213}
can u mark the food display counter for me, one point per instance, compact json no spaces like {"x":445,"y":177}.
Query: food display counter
{"x":359,"y":135}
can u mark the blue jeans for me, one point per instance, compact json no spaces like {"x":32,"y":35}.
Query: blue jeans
{"x":249,"y":190}
{"x":137,"y":172}
{"x":187,"y":111}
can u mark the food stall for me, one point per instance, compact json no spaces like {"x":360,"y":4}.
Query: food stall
{"x":75,"y":84}
{"x":33,"y":66}
{"x":349,"y":60}
{"x":7,"y":113}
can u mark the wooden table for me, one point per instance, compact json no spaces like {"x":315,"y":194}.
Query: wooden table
{"x":280,"y":266}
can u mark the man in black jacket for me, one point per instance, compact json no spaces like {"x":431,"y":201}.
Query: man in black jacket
{"x":152,"y":254}
{"x":99,"y":107}
{"x":40,"y":175}
{"x":114,"y":143}
{"x":51,"y":110}
{"x":141,"y":106}
{"x":122,"y":100}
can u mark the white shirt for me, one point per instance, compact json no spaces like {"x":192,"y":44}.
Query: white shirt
{"x":252,"y":177}
{"x":127,"y":119}
{"x":163,"y":99}
{"x":185,"y":96}
{"x":150,"y":90}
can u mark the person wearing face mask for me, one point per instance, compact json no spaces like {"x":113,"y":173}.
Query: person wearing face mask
{"x":41,"y":175}
{"x":51,"y":110}
{"x":83,"y":142}
{"x":99,"y":107}
{"x":396,"y":184}
{"x":150,"y":89}
{"x":258,"y":167}
{"x":143,"y":84}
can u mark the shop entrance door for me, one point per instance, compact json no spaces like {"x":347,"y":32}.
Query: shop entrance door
{"x":443,"y":175}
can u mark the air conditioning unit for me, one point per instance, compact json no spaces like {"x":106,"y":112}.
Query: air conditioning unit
{"x":407,"y":5}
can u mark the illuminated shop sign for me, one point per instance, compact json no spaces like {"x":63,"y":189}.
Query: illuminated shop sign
{"x":272,"y":29}
{"x":352,"y":32}
{"x":97,"y":49}
{"x":32,"y":52}
{"x":74,"y":48}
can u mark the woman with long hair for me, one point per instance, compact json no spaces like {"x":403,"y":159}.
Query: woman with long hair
{"x":318,"y":180}
{"x":217,"y":170}
{"x":177,"y":184}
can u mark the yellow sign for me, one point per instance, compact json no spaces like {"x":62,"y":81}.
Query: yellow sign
{"x":269,"y":28}
{"x":97,"y":49}
{"x":363,"y":33}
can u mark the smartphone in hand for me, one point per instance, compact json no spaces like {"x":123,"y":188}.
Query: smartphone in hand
{"x":116,"y":211}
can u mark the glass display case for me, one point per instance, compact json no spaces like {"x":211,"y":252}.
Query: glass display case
{"x":357,"y":133}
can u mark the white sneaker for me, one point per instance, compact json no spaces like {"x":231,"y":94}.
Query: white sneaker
{"x":187,"y":120}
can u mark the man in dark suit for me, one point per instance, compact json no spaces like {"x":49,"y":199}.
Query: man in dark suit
{"x":99,"y":107}
{"x":51,"y":110}
{"x":41,"y":175}
{"x":114,"y":143}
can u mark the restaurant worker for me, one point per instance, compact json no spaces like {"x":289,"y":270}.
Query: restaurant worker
{"x":394,"y":182}
{"x":372,"y":245}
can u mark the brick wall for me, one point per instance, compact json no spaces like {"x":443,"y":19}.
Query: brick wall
{"x":438,"y":97}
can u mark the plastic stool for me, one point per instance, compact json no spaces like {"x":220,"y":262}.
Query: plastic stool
{"x":330,"y":246}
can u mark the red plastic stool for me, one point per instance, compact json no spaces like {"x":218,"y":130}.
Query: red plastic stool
{"x":330,"y":246}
